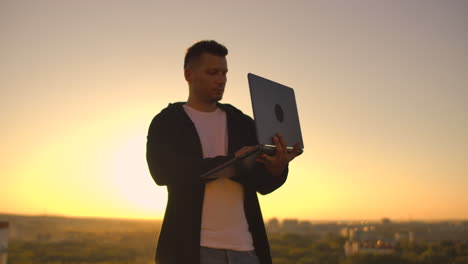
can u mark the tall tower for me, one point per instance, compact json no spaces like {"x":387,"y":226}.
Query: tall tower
{"x":3,"y":242}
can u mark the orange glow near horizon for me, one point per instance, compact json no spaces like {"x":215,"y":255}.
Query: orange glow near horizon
{"x":120,"y":185}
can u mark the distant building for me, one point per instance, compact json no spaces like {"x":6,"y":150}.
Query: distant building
{"x":409,"y":236}
{"x":3,"y":242}
{"x":437,"y":236}
{"x":373,"y":247}
{"x":305,"y":227}
{"x":365,"y":233}
{"x":345,"y":232}
{"x":273,"y":225}
{"x":291,"y":226}
{"x":386,"y":221}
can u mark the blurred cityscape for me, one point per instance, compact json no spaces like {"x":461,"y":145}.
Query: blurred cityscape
{"x":377,"y":237}
{"x":55,"y":239}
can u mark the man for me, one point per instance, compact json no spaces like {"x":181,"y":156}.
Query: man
{"x":211,"y":221}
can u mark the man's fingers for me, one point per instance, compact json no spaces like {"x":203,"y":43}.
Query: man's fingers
{"x":279,"y":147}
{"x":295,"y":151}
{"x":281,"y":139}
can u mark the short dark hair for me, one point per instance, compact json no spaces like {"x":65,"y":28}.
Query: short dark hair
{"x":204,"y":46}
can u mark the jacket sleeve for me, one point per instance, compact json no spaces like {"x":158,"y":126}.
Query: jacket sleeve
{"x":170,"y":162}
{"x":266,"y":183}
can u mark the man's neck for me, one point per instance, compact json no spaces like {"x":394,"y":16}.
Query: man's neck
{"x":201,"y":106}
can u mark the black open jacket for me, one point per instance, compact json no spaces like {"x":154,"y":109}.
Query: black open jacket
{"x":175,"y":159}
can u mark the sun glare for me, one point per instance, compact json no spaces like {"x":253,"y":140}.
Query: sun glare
{"x":131,"y":180}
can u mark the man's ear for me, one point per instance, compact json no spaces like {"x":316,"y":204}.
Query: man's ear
{"x":188,"y":75}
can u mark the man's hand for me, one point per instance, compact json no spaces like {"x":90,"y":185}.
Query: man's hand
{"x":278,"y":163}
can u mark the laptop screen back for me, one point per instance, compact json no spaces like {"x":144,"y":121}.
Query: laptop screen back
{"x":275,"y":111}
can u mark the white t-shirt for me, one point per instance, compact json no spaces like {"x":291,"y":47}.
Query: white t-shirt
{"x":224,"y":224}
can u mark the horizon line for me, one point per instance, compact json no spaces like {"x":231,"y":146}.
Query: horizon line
{"x":265,"y":220}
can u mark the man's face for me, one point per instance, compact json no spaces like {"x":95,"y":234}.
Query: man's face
{"x":207,"y":78}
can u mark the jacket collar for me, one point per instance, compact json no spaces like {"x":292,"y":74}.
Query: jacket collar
{"x":177,"y":107}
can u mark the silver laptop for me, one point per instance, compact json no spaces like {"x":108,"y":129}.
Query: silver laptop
{"x":275,"y":111}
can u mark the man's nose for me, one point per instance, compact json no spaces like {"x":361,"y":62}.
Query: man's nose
{"x":221,"y":78}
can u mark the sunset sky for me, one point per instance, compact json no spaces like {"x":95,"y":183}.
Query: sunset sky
{"x":381,"y":87}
